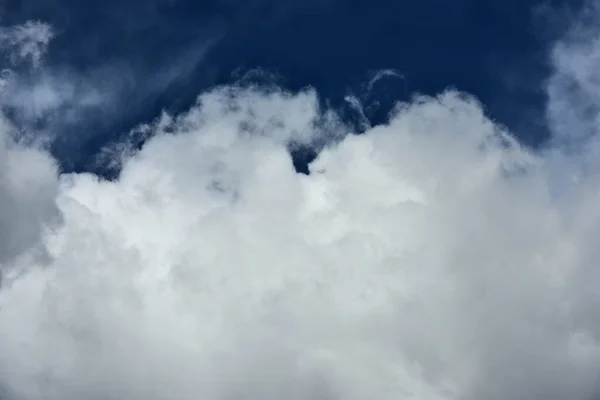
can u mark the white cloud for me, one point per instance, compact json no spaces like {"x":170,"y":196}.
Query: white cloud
{"x":430,"y":258}
{"x":574,"y":88}
{"x":52,"y":100}
{"x":57,"y":97}
{"x":28,"y":188}
{"x":409,"y":264}
{"x":27,"y":42}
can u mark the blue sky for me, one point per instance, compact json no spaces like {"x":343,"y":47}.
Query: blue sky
{"x":161,"y":54}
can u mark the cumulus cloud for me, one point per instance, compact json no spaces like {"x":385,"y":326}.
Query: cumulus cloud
{"x":28,"y":177}
{"x":428,"y":258}
{"x":28,"y":189}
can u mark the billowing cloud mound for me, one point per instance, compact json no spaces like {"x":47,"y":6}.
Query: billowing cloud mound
{"x":28,"y":189}
{"x":430,"y":258}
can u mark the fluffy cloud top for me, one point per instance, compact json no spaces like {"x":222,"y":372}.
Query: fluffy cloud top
{"x":428,"y":258}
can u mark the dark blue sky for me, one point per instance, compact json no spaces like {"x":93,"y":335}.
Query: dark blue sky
{"x":171,"y":50}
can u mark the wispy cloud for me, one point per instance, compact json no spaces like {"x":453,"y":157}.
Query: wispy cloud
{"x":27,"y":42}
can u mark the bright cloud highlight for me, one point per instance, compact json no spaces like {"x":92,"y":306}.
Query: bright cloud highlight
{"x":429,"y":258}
